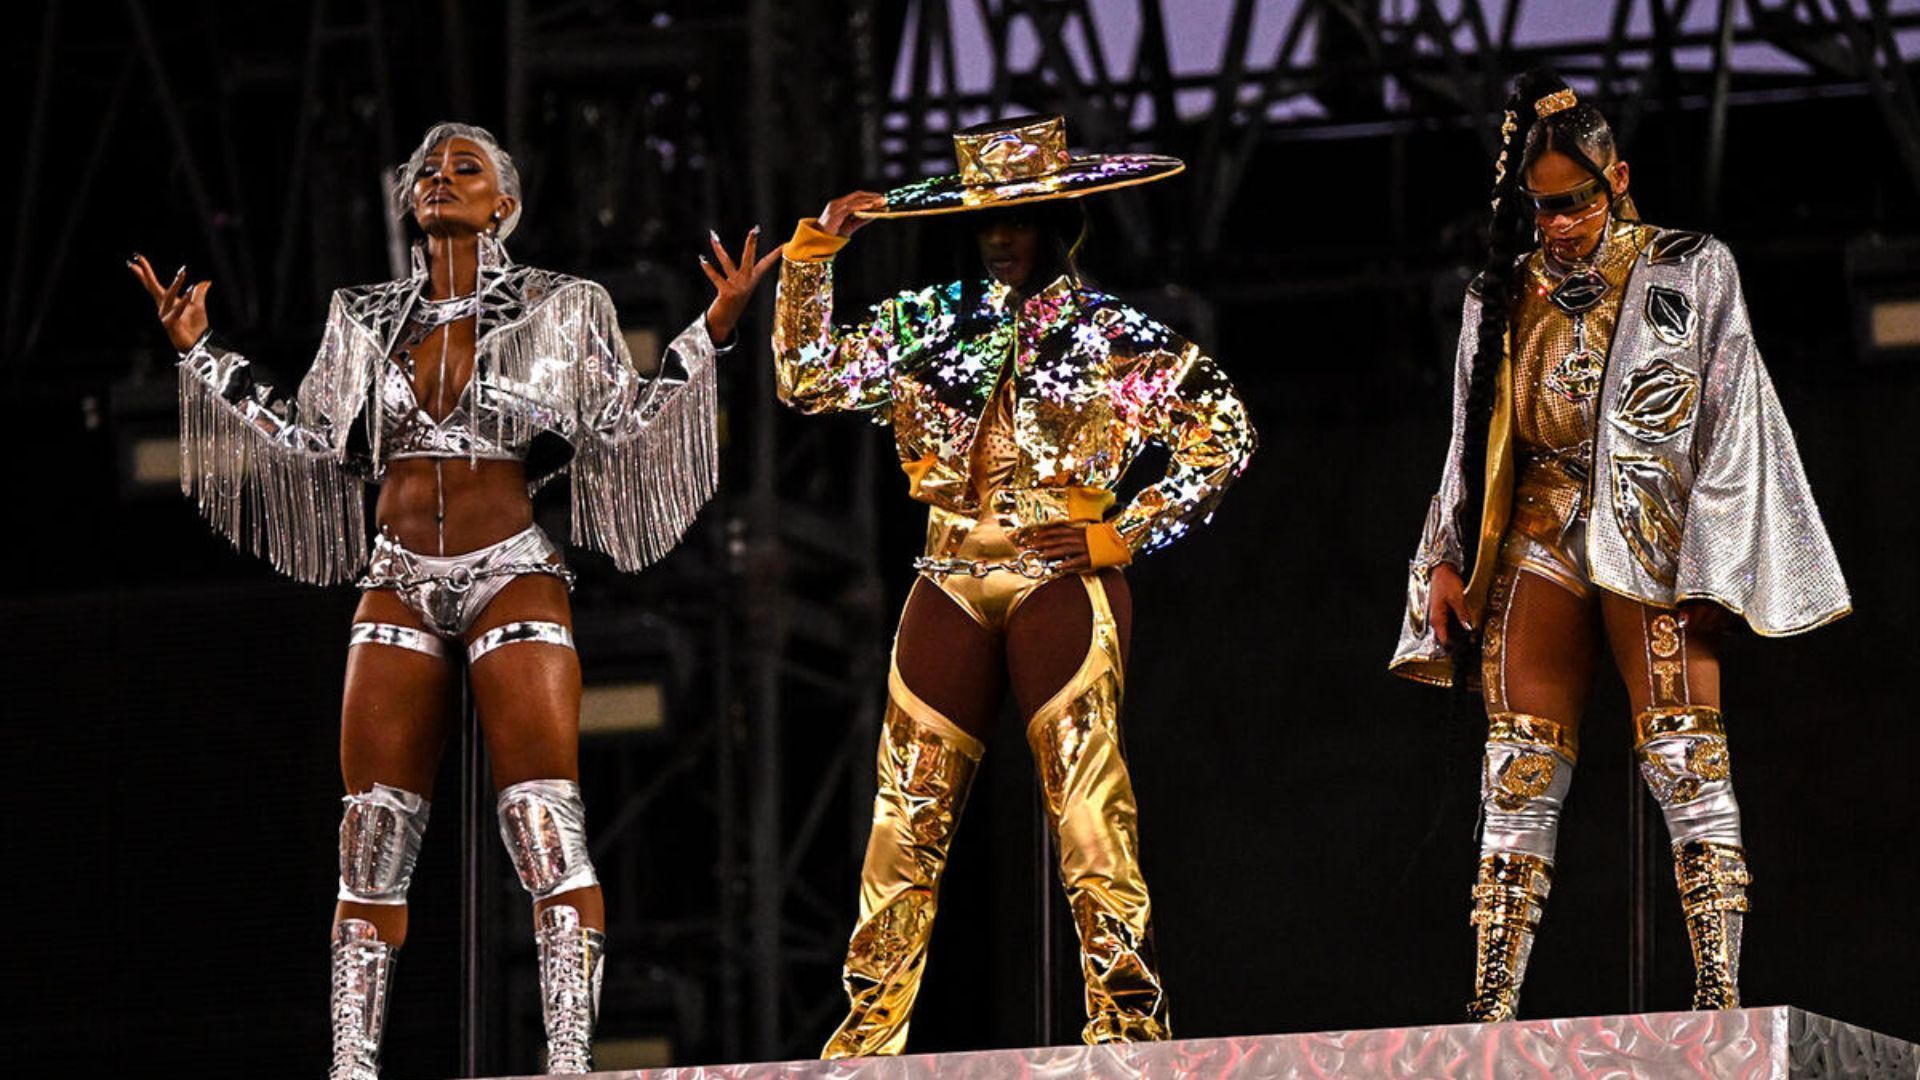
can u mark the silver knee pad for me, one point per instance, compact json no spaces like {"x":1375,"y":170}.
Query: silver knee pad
{"x":544,"y":825}
{"x":1683,"y":758}
{"x":380,"y":836}
{"x":1523,"y":783}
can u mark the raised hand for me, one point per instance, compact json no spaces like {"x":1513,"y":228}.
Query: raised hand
{"x":1447,"y":604}
{"x":182,"y":308}
{"x":841,"y":217}
{"x":734,"y":282}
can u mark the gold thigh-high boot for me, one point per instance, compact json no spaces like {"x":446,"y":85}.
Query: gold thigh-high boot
{"x":1527,"y":772}
{"x":926,"y":764}
{"x":1075,"y":738}
{"x":1683,"y":757}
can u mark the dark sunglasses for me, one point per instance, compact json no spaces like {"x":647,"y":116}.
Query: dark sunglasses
{"x":1571,"y":201}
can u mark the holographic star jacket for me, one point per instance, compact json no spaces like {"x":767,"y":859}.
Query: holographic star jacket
{"x":1696,"y":487}
{"x":1093,"y":381}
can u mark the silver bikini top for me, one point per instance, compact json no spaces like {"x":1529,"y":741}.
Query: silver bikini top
{"x":409,"y":431}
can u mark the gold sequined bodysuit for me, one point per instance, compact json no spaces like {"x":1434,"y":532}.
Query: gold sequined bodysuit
{"x":1559,"y":360}
{"x":986,"y":537}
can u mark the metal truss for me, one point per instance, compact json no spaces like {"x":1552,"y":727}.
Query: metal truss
{"x":1366,"y":67}
{"x":639,"y":126}
{"x":638,"y":119}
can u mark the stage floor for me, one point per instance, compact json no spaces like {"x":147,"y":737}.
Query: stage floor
{"x":1750,"y":1044}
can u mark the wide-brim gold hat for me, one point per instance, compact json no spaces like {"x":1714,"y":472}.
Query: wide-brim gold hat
{"x":1024,"y":160}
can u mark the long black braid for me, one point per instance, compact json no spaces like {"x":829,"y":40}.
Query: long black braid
{"x":1510,"y":236}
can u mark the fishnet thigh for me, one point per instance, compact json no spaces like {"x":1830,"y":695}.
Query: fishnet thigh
{"x":948,"y":660}
{"x":1538,"y":654}
{"x":1662,"y":662}
{"x":1051,"y":631}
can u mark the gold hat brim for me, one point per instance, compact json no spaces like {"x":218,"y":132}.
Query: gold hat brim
{"x":1081,"y":177}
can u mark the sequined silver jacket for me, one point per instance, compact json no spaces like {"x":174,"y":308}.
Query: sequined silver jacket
{"x":552,"y":380}
{"x":1698,"y":491}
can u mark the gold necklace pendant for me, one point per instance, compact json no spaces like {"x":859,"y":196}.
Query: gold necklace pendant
{"x":1578,"y":374}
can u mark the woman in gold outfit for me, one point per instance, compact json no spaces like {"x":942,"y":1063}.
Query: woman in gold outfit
{"x":1636,"y":489}
{"x":1016,"y":404}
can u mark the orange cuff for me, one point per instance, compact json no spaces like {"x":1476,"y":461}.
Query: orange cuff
{"x":811,"y":243}
{"x":1105,"y":547}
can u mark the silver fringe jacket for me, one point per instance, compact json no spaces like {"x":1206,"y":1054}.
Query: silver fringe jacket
{"x":1697,"y":488}
{"x":552,"y":375}
{"x":1093,"y":381}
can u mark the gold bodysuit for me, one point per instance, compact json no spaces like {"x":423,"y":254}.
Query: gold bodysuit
{"x":1559,"y":361}
{"x":986,"y":538}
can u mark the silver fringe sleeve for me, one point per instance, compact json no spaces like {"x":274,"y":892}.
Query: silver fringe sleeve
{"x":646,"y":448}
{"x":268,"y":476}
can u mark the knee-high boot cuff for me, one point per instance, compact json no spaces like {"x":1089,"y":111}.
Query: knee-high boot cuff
{"x":1077,"y":750}
{"x":362,"y":980}
{"x":925,"y":767}
{"x":573,"y":962}
{"x":1684,"y":760}
{"x":1509,"y":898}
{"x":1524,"y":780}
{"x":1713,"y":882}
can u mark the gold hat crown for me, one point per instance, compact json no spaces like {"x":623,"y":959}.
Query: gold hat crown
{"x":1020,"y":160}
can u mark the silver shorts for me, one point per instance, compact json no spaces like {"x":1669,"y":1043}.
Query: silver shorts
{"x":449,"y":592}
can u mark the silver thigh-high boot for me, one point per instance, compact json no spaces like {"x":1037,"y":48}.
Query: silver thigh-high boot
{"x":1528,"y":770}
{"x":380,"y":835}
{"x":543,"y":823}
{"x":1683,"y":757}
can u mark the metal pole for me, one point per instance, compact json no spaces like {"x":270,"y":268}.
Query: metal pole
{"x":1717,"y":115}
{"x":30,"y":173}
{"x":474,"y":803}
{"x":766,"y":643}
{"x":1640,"y":845}
{"x":1043,"y":1018}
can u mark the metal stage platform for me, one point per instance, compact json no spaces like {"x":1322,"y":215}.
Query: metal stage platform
{"x":1751,"y":1044}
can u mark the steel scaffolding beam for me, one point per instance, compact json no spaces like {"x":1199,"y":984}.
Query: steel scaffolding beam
{"x":1365,"y":68}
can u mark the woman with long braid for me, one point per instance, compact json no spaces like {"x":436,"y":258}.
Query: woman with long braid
{"x":1620,"y":475}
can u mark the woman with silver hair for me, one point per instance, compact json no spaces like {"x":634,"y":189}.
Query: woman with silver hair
{"x":458,"y":390}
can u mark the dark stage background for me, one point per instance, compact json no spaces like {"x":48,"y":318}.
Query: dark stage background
{"x":170,"y":707}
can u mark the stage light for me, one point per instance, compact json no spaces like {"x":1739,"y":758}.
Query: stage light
{"x":1894,"y":324}
{"x":622,"y":708}
{"x":644,"y":346}
{"x":154,"y":462}
{"x":143,"y":410}
{"x":1883,"y":281}
{"x":634,"y":1052}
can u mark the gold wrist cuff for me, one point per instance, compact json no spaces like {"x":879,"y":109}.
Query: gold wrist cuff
{"x":811,"y":243}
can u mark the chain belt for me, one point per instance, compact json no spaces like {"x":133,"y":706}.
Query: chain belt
{"x":460,"y":579}
{"x":1027,"y":565}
